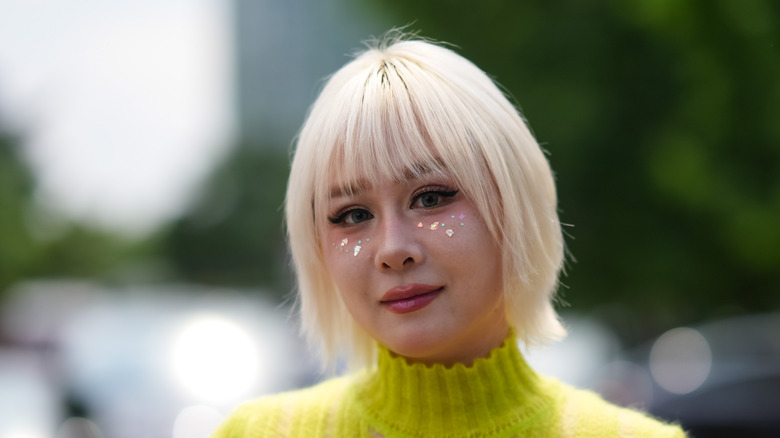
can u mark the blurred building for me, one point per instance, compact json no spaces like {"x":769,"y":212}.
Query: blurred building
{"x":285,"y":50}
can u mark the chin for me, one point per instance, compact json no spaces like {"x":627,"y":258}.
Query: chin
{"x":419,"y":347}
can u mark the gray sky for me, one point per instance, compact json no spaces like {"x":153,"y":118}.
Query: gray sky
{"x":123,"y":106}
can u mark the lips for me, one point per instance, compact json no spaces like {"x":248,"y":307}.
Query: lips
{"x":410,"y":297}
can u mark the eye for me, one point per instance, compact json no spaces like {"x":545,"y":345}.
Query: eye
{"x":430,"y":197}
{"x":357,"y":216}
{"x":351,"y":216}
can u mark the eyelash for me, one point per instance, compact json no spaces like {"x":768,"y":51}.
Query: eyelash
{"x":341,"y":215}
{"x":442,"y":191}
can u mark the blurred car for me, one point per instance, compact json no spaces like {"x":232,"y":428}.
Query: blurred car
{"x":719,"y":379}
{"x":144,"y":361}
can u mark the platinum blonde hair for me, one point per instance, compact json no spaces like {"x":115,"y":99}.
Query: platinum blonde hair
{"x":404,"y":107}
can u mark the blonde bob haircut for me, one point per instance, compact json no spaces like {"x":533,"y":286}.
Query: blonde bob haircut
{"x":405,"y":107}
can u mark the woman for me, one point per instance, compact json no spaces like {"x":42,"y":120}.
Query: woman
{"x":422,"y":220}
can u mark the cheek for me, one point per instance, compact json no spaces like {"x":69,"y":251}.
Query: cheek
{"x":465,"y":239}
{"x":346,"y":246}
{"x":448,"y":226}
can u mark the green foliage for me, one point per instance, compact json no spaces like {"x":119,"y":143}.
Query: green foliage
{"x":53,"y":248}
{"x":234,"y":236}
{"x":17,"y":247}
{"x":661,"y":120}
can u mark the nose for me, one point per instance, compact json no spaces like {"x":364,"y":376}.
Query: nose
{"x":399,"y":246}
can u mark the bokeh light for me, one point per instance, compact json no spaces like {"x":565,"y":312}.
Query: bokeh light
{"x":215,"y":359}
{"x":680,"y":360}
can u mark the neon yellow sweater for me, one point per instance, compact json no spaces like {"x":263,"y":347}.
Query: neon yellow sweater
{"x":499,"y":396}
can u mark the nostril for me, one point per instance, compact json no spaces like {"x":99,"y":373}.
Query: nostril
{"x":408,"y":260}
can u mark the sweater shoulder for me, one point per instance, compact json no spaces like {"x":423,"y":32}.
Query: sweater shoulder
{"x":270,"y":415}
{"x":586,"y":414}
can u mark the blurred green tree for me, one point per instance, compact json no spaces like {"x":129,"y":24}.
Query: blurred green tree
{"x":18,"y":249}
{"x":35,"y":244}
{"x":233,"y":236}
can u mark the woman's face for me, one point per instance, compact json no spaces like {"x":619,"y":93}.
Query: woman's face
{"x":417,"y":269}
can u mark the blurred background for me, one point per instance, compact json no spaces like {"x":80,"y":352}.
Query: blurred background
{"x":144,"y":150}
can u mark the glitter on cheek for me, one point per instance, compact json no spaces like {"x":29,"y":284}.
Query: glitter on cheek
{"x":420,"y":225}
{"x":357,"y":249}
{"x":461,"y":216}
{"x":434,"y":225}
{"x":450,"y":232}
{"x":344,"y":241}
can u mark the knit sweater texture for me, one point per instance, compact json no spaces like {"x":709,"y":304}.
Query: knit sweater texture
{"x":498,"y":396}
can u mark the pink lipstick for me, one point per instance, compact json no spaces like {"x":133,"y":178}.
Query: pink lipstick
{"x":410,"y":297}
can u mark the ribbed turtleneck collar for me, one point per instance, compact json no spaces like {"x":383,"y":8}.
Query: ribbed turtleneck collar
{"x":495,"y":394}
